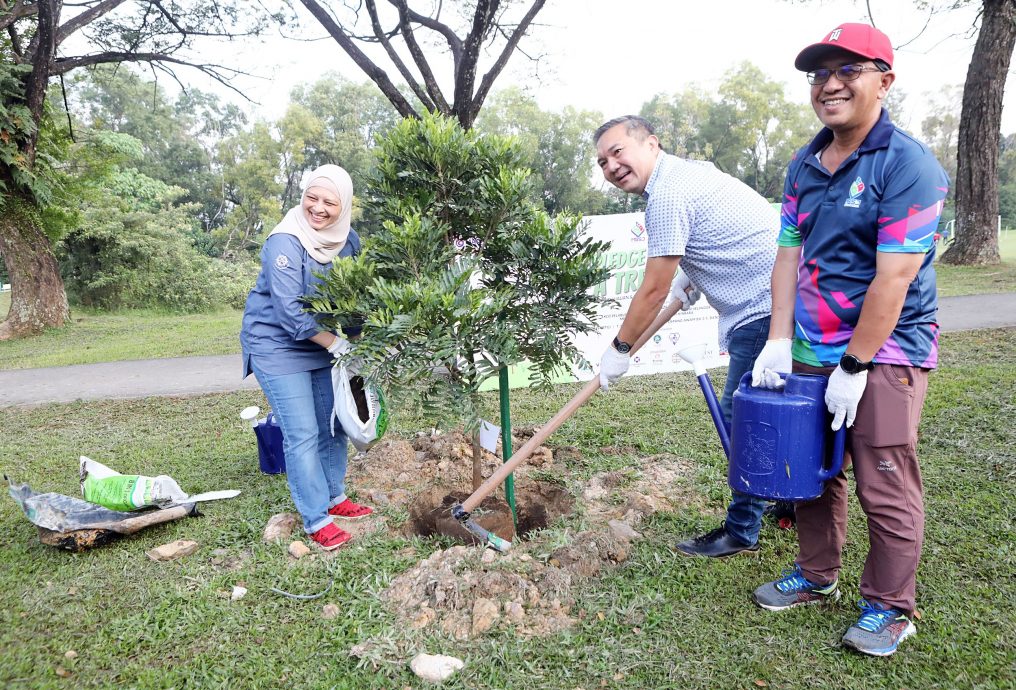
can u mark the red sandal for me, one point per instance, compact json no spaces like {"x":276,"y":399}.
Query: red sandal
{"x":349,"y":510}
{"x":331,"y":537}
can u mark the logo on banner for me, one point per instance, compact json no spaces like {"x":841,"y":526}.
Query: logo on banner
{"x":674,"y":337}
{"x":854,"y":198}
{"x":638,"y":232}
{"x":657,"y":339}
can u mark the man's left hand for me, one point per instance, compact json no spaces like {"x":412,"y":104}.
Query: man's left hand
{"x":842,"y":395}
{"x":682,"y":289}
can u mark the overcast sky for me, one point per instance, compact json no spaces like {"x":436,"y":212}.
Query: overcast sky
{"x":613,"y":56}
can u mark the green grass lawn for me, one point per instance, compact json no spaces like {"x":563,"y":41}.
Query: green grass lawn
{"x":658,"y":621}
{"x":92,"y":337}
{"x":976,"y":280}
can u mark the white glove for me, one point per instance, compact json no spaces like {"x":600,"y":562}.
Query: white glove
{"x":843,"y":394}
{"x":681,"y":289}
{"x":613,"y":365}
{"x":339,"y":347}
{"x":773,"y":360}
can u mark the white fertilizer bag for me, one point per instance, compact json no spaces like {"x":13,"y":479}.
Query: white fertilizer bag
{"x":360,"y":409}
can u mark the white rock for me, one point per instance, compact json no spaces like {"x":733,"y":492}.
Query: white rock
{"x":279,"y":528}
{"x":435,"y":668}
{"x":238,"y":593}
{"x":173,"y":550}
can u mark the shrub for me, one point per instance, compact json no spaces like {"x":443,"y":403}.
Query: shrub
{"x":465,"y":274}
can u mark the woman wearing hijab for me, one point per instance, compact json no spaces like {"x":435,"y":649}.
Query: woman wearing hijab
{"x":291,"y":355}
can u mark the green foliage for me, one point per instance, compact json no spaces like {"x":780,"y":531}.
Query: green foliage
{"x":250,"y":169}
{"x":176,"y":135}
{"x":132,"y":250}
{"x":465,"y":274}
{"x":556,"y":147}
{"x":750,"y":131}
{"x":17,"y":126}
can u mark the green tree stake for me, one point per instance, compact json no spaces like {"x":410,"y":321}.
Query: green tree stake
{"x":506,"y":441}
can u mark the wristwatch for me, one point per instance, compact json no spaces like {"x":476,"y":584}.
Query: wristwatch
{"x":621,"y":346}
{"x":852,"y":365}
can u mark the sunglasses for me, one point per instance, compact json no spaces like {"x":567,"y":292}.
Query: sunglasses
{"x":846,"y":73}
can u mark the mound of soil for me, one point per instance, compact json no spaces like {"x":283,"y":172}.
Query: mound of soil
{"x":464,"y":591}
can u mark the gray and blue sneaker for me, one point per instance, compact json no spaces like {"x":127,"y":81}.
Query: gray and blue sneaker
{"x":878,"y":631}
{"x":793,"y":589}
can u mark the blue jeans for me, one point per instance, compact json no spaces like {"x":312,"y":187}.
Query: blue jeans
{"x":744,"y":514}
{"x":315,"y":460}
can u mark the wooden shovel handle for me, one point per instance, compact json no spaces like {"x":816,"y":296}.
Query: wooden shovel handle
{"x":577,"y":401}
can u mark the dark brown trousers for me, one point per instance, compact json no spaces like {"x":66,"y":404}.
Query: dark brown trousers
{"x":882,"y":447}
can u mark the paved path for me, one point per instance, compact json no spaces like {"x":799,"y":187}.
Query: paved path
{"x":216,"y":374}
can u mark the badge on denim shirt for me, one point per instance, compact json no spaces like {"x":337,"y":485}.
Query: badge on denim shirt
{"x":282,"y":261}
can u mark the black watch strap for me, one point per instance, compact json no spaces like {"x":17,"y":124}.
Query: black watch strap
{"x":621,"y":346}
{"x":852,"y":365}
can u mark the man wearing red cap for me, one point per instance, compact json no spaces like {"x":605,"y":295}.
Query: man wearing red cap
{"x":854,"y":299}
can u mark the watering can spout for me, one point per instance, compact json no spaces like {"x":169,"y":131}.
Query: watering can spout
{"x":694,"y":355}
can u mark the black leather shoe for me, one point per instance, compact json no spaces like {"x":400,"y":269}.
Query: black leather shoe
{"x":715,"y":544}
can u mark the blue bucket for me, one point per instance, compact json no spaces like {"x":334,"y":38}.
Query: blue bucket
{"x":780,"y":440}
{"x":270,"y":454}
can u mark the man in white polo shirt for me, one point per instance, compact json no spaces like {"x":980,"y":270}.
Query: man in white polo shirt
{"x":722,"y":234}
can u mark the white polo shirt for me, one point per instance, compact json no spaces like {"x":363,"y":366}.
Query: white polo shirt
{"x":724,"y":230}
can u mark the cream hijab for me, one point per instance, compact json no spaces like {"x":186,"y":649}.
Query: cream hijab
{"x":325,"y":243}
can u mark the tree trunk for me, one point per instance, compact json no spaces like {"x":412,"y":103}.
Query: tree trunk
{"x":976,"y":232}
{"x":38,"y":298}
{"x":477,"y":461}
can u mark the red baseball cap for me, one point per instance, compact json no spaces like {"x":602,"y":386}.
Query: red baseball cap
{"x":860,"y":39}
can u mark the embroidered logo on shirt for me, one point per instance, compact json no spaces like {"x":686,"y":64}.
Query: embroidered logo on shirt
{"x":886,"y":466}
{"x":854,"y":197}
{"x":282,"y":261}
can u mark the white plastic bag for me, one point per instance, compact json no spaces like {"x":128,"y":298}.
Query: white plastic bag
{"x":360,"y":409}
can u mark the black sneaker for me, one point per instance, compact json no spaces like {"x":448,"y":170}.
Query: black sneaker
{"x":782,"y":513}
{"x":715,"y":544}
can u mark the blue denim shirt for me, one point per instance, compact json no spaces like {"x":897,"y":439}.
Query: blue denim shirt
{"x":276,"y":329}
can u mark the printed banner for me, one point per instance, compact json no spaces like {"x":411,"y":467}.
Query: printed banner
{"x":626,"y":258}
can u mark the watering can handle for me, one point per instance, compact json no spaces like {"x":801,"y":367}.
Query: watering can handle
{"x":839,"y":446}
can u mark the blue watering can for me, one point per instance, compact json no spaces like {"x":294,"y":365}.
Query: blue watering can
{"x":271,"y":457}
{"x":777,"y":443}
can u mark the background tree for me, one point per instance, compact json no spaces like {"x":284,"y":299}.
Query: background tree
{"x":250,"y":163}
{"x":465,"y":276}
{"x":678,"y":120}
{"x":491,"y":25}
{"x":556,"y":147}
{"x":1007,"y":180}
{"x":178,"y":136}
{"x":976,"y":182}
{"x":34,"y":37}
{"x":940,"y":127}
{"x":753,"y":130}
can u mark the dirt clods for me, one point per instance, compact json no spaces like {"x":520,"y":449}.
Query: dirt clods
{"x":464,"y":597}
